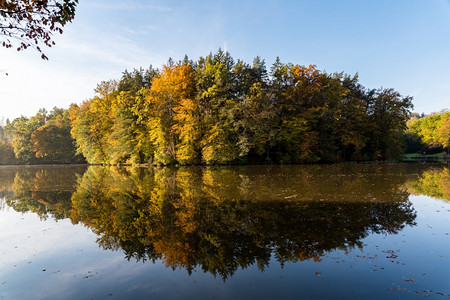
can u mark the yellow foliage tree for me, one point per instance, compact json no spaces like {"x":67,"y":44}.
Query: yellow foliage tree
{"x":174,"y":124}
{"x":444,"y":133}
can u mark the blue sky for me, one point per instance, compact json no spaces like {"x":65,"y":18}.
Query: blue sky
{"x":401,"y":44}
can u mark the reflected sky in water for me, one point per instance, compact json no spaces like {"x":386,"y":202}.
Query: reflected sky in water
{"x":328,"y":231}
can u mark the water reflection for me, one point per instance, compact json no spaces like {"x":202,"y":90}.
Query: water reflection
{"x":45,"y":191}
{"x":433,"y":183}
{"x":220,"y":219}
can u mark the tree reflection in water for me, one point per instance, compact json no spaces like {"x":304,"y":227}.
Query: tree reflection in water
{"x":219,"y":219}
{"x":433,"y":183}
{"x":45,"y":191}
{"x":225,"y":218}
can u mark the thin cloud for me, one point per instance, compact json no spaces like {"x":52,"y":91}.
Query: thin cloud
{"x":109,"y":52}
{"x":94,"y":52}
{"x":144,"y":31}
{"x":127,"y":6}
{"x":111,"y":49}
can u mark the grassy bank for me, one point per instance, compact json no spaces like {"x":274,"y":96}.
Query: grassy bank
{"x":413,"y":157}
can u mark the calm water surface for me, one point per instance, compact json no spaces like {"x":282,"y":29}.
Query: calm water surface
{"x":254,"y":232}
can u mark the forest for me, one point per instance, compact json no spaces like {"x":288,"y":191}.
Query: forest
{"x":218,"y":110}
{"x":428,"y":134}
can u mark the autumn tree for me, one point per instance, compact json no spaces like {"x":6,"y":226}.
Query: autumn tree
{"x":216,"y":98}
{"x":21,"y":129}
{"x":295,"y":89}
{"x":173,"y":123}
{"x":187,"y":118}
{"x":351,"y":119}
{"x":52,"y":141}
{"x":387,"y":113}
{"x":218,"y":111}
{"x":428,"y":130}
{"x":444,"y":134}
{"x":6,"y":153}
{"x":33,"y":23}
{"x":92,"y":123}
{"x":129,"y":141}
{"x":6,"y":150}
{"x":428,"y":126}
{"x":253,"y":113}
{"x":137,"y":79}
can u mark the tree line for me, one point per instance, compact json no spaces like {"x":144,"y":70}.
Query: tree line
{"x":429,"y":134}
{"x":218,"y":110}
{"x":42,"y":139}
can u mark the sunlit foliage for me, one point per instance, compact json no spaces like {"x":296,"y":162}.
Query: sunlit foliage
{"x":432,"y":131}
{"x":174,"y":122}
{"x":52,"y":142}
{"x":43,"y":138}
{"x":218,"y":110}
{"x":444,"y":132}
{"x":6,"y":149}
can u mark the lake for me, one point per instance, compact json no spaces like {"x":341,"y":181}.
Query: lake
{"x":350,"y":231}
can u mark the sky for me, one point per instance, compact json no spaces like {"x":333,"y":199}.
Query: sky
{"x":401,"y":44}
